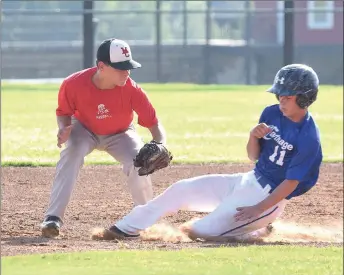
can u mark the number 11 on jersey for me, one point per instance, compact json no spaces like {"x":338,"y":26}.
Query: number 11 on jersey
{"x":274,"y":155}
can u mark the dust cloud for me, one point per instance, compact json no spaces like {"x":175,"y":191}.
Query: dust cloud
{"x":283,"y":231}
{"x":292,"y":232}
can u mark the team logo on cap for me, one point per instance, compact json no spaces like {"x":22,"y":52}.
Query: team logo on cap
{"x":279,"y":80}
{"x":125,"y":51}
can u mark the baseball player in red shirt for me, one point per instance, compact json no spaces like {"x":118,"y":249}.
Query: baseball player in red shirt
{"x":95,"y":111}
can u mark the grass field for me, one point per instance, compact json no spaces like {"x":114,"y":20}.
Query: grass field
{"x":203,"y":123}
{"x":263,"y":260}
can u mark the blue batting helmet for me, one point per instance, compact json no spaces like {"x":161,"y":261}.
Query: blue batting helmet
{"x":296,"y":79}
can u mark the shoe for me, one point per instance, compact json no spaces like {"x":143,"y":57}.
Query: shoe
{"x":114,"y":233}
{"x":263,"y":232}
{"x":269,"y":228}
{"x":51,"y":227}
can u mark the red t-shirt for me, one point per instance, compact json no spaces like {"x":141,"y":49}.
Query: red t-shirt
{"x":104,"y":112}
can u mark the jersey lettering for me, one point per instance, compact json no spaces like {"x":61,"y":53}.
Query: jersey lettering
{"x":276,"y":137}
{"x":281,"y":157}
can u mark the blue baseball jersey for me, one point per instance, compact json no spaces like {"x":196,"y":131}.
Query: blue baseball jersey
{"x":290,"y":151}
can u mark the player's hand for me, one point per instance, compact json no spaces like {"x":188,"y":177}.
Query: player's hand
{"x":260,"y":130}
{"x":247,"y":213}
{"x":63,"y":135}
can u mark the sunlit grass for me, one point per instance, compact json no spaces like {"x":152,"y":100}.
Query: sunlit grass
{"x":203,"y":123}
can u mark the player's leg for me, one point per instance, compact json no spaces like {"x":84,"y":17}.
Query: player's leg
{"x":203,"y":194}
{"x":124,"y":147}
{"x":221,"y":222}
{"x":251,"y":229}
{"x":80,"y":143}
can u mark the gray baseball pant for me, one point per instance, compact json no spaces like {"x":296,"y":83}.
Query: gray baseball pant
{"x":122,"y":146}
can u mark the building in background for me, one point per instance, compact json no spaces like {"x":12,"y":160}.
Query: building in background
{"x":311,"y":28}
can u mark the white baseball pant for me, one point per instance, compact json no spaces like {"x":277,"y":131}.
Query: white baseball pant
{"x":122,"y":146}
{"x":217,"y":194}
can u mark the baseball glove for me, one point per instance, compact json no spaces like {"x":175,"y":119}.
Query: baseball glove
{"x":153,"y":156}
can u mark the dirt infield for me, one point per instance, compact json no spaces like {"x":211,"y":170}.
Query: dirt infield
{"x":100,"y":198}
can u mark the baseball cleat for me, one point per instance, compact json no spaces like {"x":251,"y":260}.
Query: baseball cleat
{"x":113,"y":233}
{"x":269,"y":228}
{"x":51,"y":227}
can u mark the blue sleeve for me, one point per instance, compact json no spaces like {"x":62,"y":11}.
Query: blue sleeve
{"x":302,"y":163}
{"x":263,"y":119}
{"x":263,"y":116}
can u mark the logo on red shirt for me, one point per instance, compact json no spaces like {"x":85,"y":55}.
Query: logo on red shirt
{"x":103,"y":112}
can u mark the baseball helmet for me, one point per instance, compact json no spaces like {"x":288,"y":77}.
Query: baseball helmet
{"x":296,"y":79}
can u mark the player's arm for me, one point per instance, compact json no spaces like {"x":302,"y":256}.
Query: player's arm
{"x":253,"y":148}
{"x":253,"y":145}
{"x":147,"y":115}
{"x":66,"y":107}
{"x":158,"y":133}
{"x":63,"y":121}
{"x":279,"y":194}
{"x":64,"y":112}
{"x":256,"y":133}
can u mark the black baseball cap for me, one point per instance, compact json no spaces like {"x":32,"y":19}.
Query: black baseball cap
{"x":117,"y":54}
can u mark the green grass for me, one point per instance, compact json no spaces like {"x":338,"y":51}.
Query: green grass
{"x":256,"y":260}
{"x":203,"y":123}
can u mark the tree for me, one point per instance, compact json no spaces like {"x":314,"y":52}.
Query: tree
{"x":131,"y":24}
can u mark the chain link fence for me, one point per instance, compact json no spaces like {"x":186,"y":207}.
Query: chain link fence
{"x":225,"y":42}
